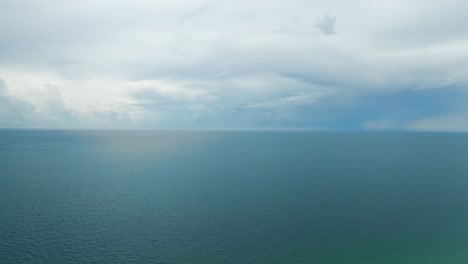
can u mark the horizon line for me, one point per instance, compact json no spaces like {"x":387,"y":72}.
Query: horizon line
{"x":238,"y":130}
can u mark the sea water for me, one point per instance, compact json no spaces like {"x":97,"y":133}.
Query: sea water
{"x":90,"y":196}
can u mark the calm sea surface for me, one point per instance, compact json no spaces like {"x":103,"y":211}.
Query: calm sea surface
{"x":233,"y":197}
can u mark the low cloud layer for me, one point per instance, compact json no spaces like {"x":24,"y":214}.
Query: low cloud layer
{"x":386,"y":65}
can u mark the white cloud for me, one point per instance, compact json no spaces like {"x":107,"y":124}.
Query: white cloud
{"x":58,"y":102}
{"x":453,"y":122}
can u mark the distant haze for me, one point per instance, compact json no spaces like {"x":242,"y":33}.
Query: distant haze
{"x":289,"y":64}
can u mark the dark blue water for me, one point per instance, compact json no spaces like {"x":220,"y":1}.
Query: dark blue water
{"x":233,"y":197}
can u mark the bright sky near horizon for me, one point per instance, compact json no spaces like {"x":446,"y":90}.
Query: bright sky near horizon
{"x":277,"y":64}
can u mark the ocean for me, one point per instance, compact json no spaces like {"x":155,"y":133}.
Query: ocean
{"x":266,"y":197}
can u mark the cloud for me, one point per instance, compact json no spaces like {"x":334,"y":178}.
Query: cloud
{"x":298,"y":100}
{"x":13,"y":112}
{"x":17,"y":112}
{"x":326,"y":25}
{"x":445,"y":123}
{"x":218,"y":64}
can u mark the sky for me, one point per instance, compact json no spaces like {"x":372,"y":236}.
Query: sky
{"x":399,"y":65}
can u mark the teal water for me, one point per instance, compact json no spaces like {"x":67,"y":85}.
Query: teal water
{"x":233,"y":197}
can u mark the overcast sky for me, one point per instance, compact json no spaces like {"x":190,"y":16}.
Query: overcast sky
{"x":276,"y":64}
